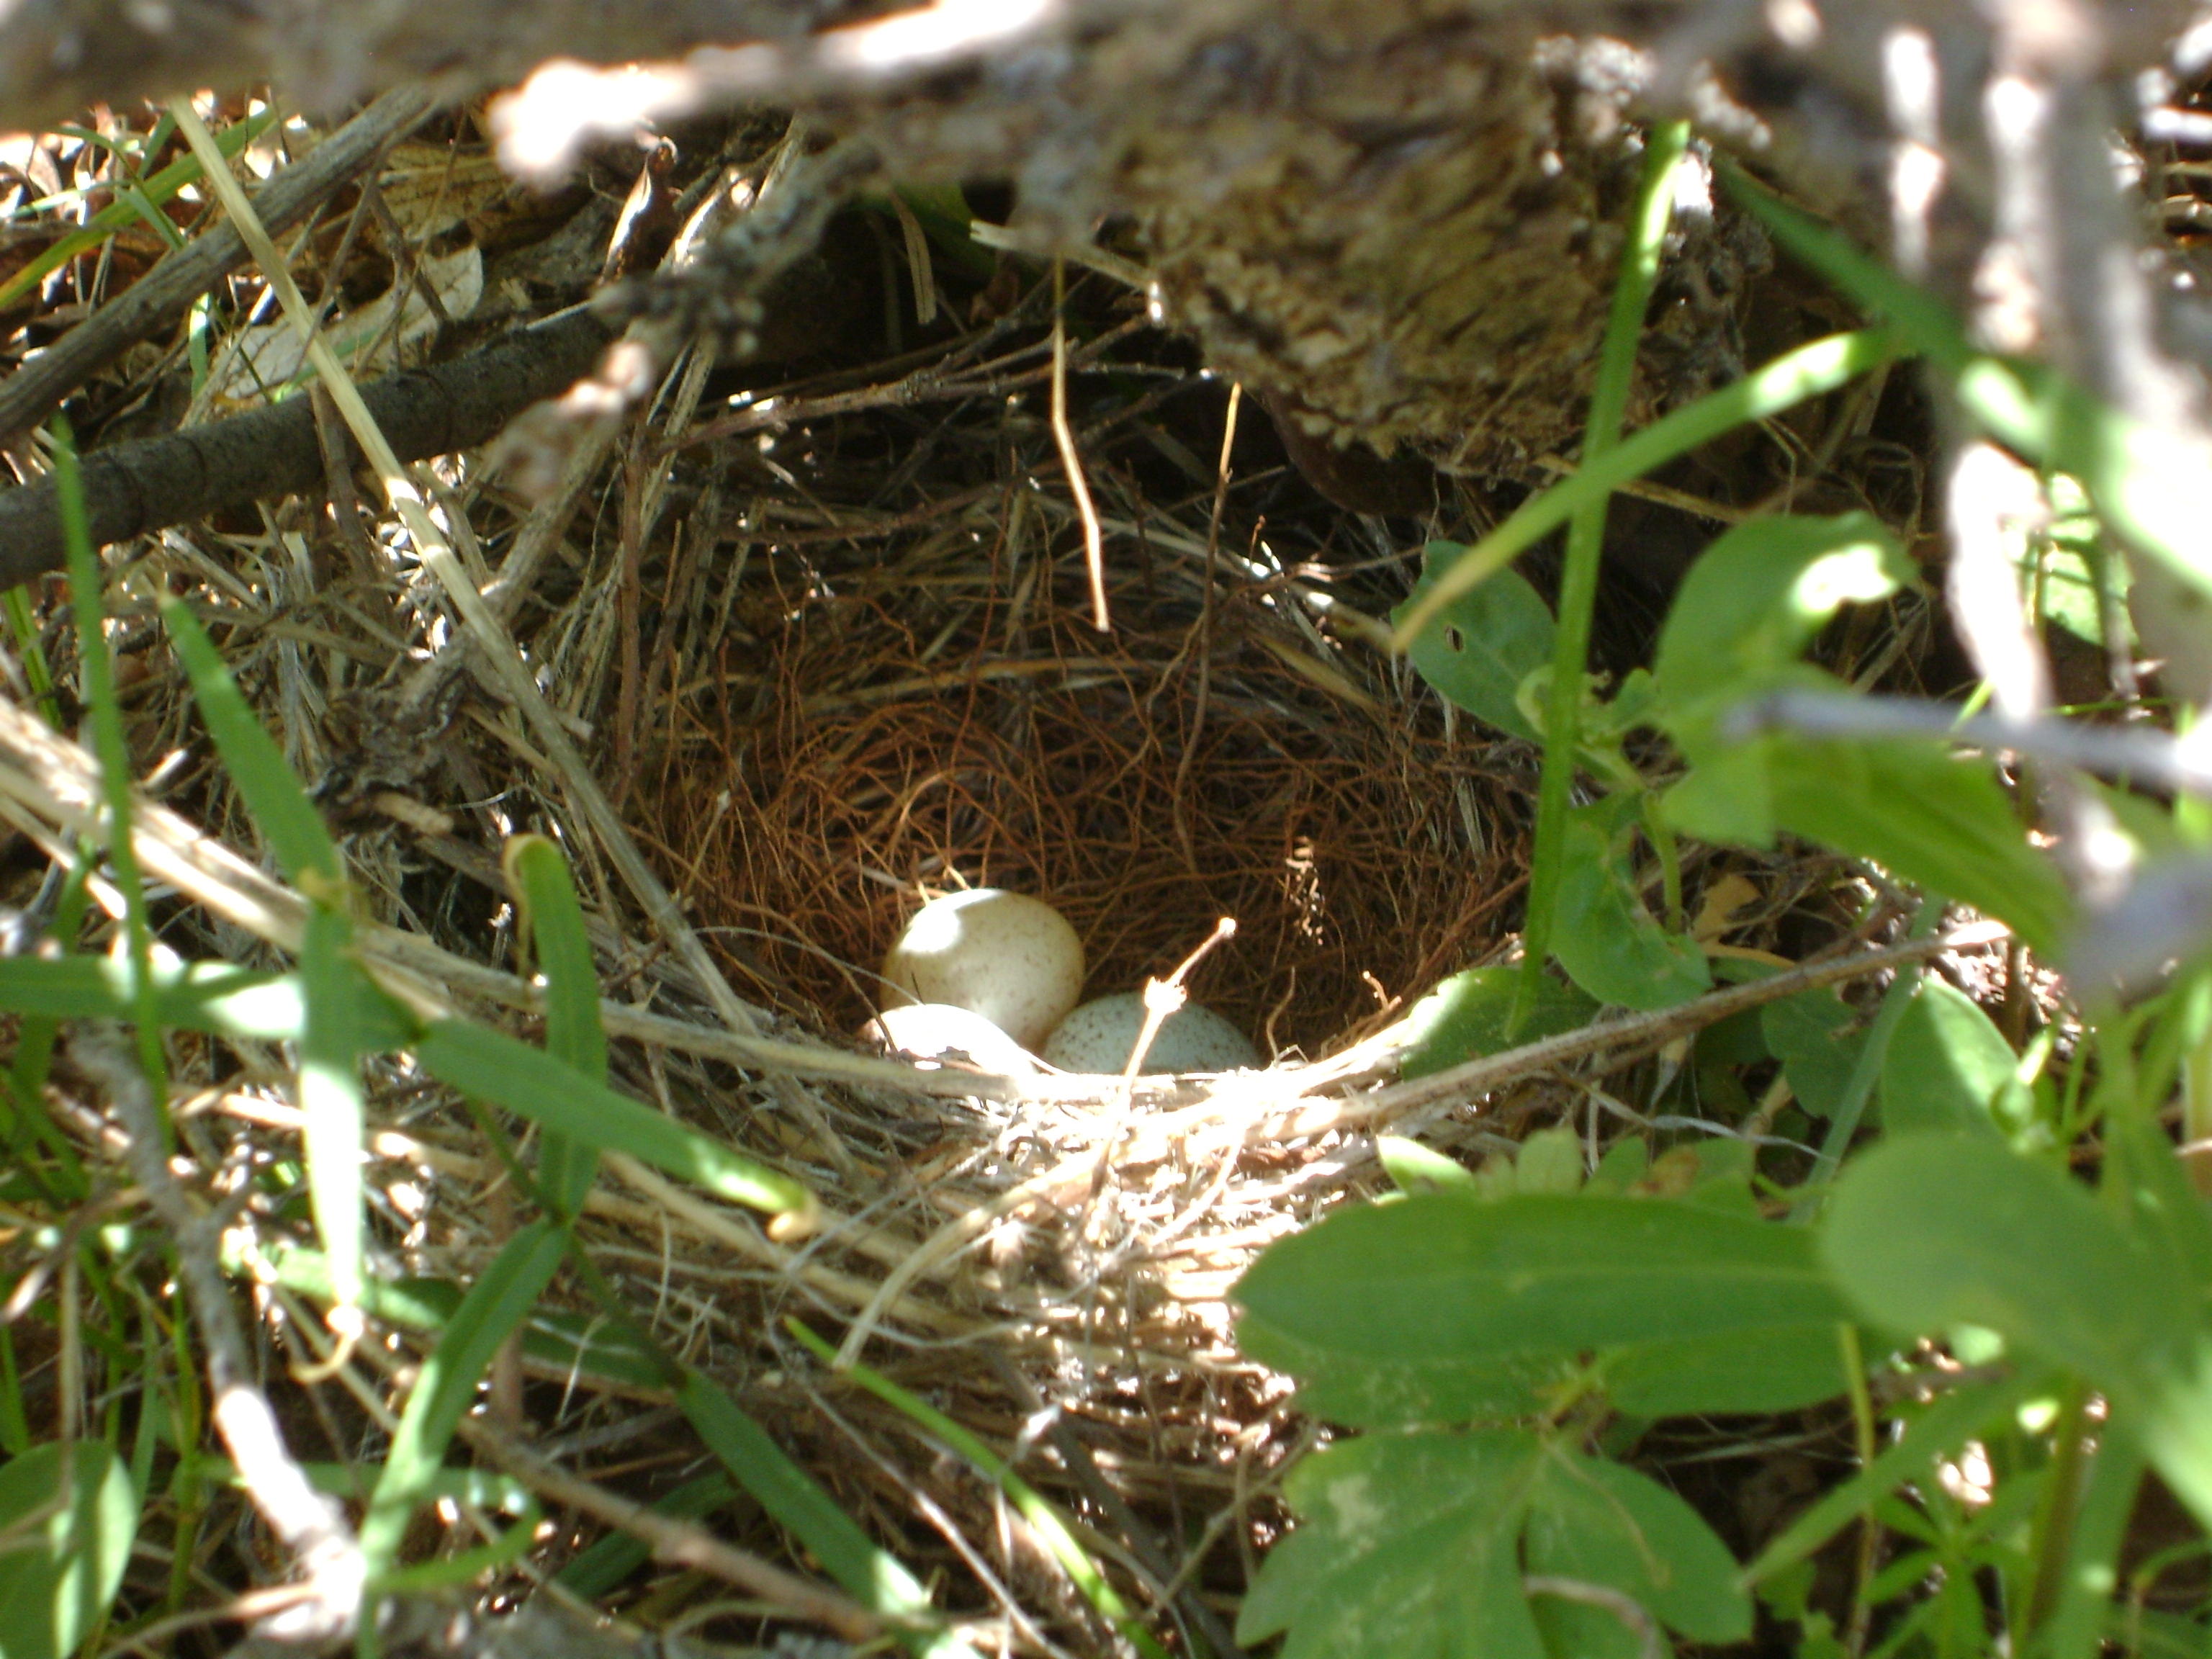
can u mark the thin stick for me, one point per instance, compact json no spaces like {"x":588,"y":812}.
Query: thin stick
{"x":680,"y":1543}
{"x":310,"y":1525}
{"x":1094,"y":540}
{"x":1205,"y":625}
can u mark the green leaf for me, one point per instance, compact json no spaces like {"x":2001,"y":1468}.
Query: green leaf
{"x":1405,"y":1544}
{"x":1911,"y":806}
{"x":1603,"y":1523}
{"x":1950,"y":1069}
{"x":279,"y":806}
{"x":2140,"y":477}
{"x":1811,"y":370}
{"x":1757,"y":597}
{"x":1377,"y":1391}
{"x":554,"y":923}
{"x":1818,"y":1040}
{"x":1930,"y":1231}
{"x":1937,"y":1431}
{"x":2067,"y":579}
{"x":1935,"y":1231}
{"x":1414,"y":1168}
{"x":1550,"y":1161}
{"x":2164,"y":1209}
{"x":1437,"y":1278}
{"x":1726,"y":798}
{"x":1468,"y":1016}
{"x":1414,"y":1544}
{"x":1624,"y":1163}
{"x":1773,"y":1370}
{"x":1933,"y":819}
{"x":1484,"y":643}
{"x":495,"y":1067}
{"x":69,"y":1515}
{"x":1609,"y":943}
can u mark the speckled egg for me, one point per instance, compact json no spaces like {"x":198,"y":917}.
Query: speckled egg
{"x":939,"y":1032}
{"x":1009,"y":957}
{"x":1098,"y":1037}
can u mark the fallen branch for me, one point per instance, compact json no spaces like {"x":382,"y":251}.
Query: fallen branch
{"x":134,"y":487}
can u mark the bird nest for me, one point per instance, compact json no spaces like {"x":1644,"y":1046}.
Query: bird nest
{"x":830,"y":647}
{"x":816,"y":699}
{"x":943,"y":712}
{"x":882,"y":705}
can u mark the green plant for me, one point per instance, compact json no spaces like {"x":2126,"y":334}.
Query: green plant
{"x":1503,"y":1341}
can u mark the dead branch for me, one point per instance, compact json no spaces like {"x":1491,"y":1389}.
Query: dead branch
{"x":134,"y":487}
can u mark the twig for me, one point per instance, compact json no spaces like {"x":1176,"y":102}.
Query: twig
{"x":134,"y":487}
{"x":1263,"y":1117}
{"x":310,"y":1525}
{"x":2148,"y":757}
{"x":1205,"y":626}
{"x":545,"y":126}
{"x":1063,"y":436}
{"x":680,"y":1543}
{"x":1170,"y":1585}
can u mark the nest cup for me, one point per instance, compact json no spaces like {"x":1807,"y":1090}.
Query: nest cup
{"x":889,"y":721}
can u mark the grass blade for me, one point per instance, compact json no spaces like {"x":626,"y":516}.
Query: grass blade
{"x":2142,"y":480}
{"x":331,"y":1108}
{"x":602,"y":1565}
{"x":571,"y":1346}
{"x":499,"y":1069}
{"x":497,"y":1304}
{"x":297,"y":833}
{"x":111,"y":751}
{"x":200,"y":996}
{"x":553,"y":925}
{"x":120,"y":214}
{"x":876,"y":1579}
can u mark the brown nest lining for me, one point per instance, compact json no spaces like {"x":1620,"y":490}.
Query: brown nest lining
{"x":947,"y":716}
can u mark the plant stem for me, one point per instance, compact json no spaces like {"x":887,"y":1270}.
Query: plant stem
{"x":1616,"y":368}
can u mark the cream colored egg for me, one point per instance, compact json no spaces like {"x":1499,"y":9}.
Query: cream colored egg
{"x":1009,"y":957}
{"x":1098,"y":1037}
{"x":938,"y":1032}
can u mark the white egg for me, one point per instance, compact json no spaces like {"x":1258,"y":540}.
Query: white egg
{"x":1098,"y":1037}
{"x":1009,"y":957}
{"x":941,"y":1032}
